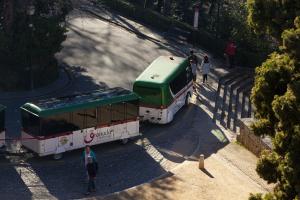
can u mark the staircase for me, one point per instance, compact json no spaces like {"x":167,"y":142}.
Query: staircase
{"x":232,"y":100}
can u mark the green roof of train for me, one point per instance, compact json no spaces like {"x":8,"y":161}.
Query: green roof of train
{"x":161,"y":71}
{"x":52,"y":106}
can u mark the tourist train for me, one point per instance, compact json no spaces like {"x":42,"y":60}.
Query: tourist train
{"x":56,"y":125}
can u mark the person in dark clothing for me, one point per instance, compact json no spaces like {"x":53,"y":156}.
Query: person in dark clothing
{"x":193,"y":57}
{"x":229,"y":53}
{"x":92,"y":169}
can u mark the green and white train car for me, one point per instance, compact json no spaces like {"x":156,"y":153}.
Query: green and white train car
{"x":57,"y":125}
{"x":164,"y":87}
{"x":2,"y":125}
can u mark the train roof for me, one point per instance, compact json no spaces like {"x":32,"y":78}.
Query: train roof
{"x":52,"y":106}
{"x":162,"y":70}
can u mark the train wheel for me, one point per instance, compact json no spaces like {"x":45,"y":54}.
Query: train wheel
{"x":124,"y":141}
{"x":58,"y":156}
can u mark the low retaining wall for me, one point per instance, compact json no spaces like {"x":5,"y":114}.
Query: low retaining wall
{"x":252,"y":142}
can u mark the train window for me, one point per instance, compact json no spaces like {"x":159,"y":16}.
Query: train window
{"x":132,"y":109}
{"x":91,"y":117}
{"x":55,"y":124}
{"x":179,"y":82}
{"x":79,"y":119}
{"x":118,"y":112}
{"x":104,"y":115}
{"x":31,"y":123}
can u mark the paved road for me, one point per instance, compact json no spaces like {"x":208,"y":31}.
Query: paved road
{"x":99,"y":55}
{"x":121,"y":166}
{"x":107,"y":55}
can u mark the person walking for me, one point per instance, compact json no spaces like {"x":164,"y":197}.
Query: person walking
{"x":230,"y":52}
{"x":205,"y":66}
{"x":88,"y":152}
{"x":193,"y":57}
{"x":92,"y":169}
{"x":194,"y":70}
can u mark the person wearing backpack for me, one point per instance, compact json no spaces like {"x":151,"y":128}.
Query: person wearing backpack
{"x":88,"y":152}
{"x":92,"y":169}
{"x":205,"y":66}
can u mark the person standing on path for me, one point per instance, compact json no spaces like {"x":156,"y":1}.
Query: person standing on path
{"x":205,"y":66}
{"x":92,"y":169}
{"x":87,"y":152}
{"x":229,"y":54}
{"x":193,"y":57}
{"x":194,"y":70}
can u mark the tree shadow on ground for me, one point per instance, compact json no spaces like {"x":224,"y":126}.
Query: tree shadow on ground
{"x":205,"y":94}
{"x":192,"y":131}
{"x":119,"y":171}
{"x":209,"y":143}
{"x":11,"y":185}
{"x":156,"y":190}
{"x":82,"y":82}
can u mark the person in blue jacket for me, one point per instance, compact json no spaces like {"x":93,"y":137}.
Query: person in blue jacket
{"x":92,"y":169}
{"x":87,"y":152}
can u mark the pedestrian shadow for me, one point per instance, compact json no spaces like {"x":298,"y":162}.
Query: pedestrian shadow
{"x":205,"y":94}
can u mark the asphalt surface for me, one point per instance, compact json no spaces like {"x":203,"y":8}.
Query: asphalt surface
{"x":99,"y":55}
{"x":120,"y":166}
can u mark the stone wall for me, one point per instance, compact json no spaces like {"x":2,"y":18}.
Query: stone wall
{"x":252,"y":142}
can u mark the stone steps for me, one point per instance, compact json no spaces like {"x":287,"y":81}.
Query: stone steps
{"x":232,"y":100}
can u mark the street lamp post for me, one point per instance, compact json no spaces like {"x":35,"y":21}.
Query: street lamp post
{"x":30,"y":13}
{"x":196,"y":7}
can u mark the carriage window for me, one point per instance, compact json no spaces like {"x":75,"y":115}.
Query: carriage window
{"x":104,"y":115}
{"x":79,"y":119}
{"x":60,"y":123}
{"x":91,"y":118}
{"x":2,"y":114}
{"x":118,"y":112}
{"x":132,"y":109}
{"x":179,"y":82}
{"x":30,"y":123}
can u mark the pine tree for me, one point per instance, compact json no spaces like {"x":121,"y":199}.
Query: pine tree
{"x":29,"y":42}
{"x":276,"y":96}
